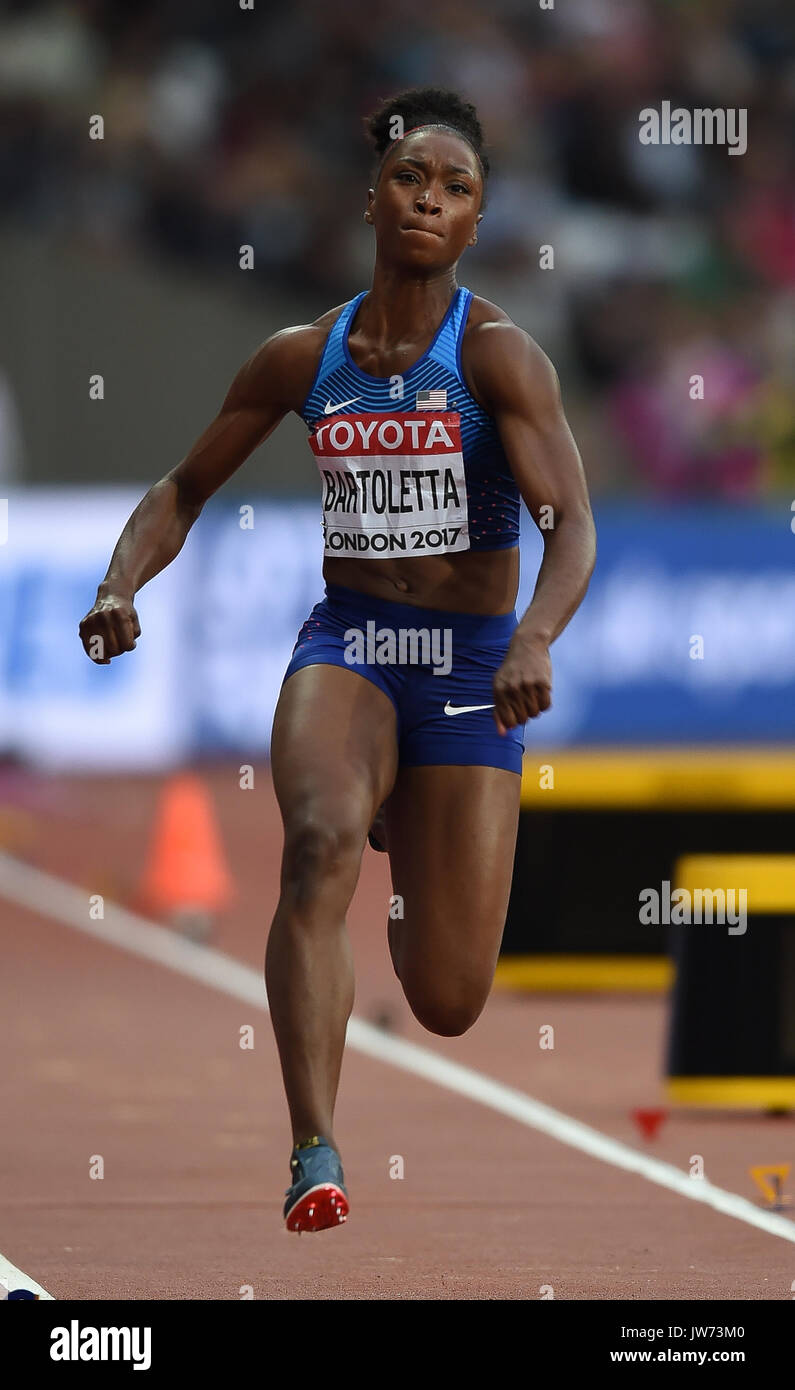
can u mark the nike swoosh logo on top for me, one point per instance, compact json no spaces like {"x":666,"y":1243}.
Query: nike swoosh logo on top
{"x":330,"y":409}
{"x":464,"y":709}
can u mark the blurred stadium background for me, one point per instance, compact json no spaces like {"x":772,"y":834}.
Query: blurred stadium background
{"x":226,"y":127}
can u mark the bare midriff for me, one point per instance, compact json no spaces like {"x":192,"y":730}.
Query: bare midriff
{"x":479,"y":581}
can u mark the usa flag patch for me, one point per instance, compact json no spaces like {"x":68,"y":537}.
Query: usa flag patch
{"x":432,"y":400}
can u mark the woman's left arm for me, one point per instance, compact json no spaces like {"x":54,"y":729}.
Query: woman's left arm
{"x":517,"y":384}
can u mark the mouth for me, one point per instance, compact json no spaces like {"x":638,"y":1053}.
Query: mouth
{"x":412,"y":227}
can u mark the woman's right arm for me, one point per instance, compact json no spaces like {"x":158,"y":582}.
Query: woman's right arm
{"x":275,"y":380}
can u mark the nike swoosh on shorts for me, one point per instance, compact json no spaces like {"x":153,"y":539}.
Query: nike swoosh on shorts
{"x":464,"y":709}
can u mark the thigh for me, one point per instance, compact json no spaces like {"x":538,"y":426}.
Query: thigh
{"x":333,"y":746}
{"x":451,"y":832}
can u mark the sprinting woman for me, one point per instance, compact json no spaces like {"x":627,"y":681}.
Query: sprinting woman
{"x":431,"y":417}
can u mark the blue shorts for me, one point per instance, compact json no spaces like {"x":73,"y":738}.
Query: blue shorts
{"x":432,"y":664}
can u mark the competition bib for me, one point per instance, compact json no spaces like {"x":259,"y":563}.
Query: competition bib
{"x":392,"y":485}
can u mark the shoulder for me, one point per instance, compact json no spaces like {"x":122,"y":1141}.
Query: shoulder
{"x":298,"y":348}
{"x":503,"y":363}
{"x":283,"y":367}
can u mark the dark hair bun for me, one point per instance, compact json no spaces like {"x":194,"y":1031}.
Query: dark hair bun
{"x":425,"y":106}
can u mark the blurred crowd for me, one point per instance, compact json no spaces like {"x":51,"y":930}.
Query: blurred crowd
{"x":227,"y":126}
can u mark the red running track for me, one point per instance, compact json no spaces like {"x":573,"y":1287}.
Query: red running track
{"x":119,"y":1057}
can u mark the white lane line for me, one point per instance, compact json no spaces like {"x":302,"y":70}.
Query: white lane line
{"x":54,"y":897}
{"x":13,"y":1278}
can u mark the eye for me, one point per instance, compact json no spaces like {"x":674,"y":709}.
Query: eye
{"x":405,"y":174}
{"x":459,"y":188}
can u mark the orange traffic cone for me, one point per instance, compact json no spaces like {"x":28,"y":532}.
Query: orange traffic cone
{"x":186,"y":878}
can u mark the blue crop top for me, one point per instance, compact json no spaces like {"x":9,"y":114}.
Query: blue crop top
{"x":410,"y":463}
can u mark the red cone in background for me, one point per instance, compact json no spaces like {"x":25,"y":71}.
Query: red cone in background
{"x":186,"y":871}
{"x":649,"y":1121}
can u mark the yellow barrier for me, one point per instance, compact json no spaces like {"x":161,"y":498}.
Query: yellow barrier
{"x":747,"y":1092}
{"x":769,"y":879}
{"x":585,"y":974}
{"x":769,"y":882}
{"x":657,"y":779}
{"x":662,"y":778}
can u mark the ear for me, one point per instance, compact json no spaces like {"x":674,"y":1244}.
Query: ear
{"x":368,"y":215}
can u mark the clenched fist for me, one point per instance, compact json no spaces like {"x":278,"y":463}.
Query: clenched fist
{"x":523,"y":683}
{"x":110,"y":628}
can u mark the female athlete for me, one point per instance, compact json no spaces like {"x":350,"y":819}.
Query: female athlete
{"x":431,"y":417}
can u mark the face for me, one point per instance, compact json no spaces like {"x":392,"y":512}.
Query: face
{"x":425,"y":205}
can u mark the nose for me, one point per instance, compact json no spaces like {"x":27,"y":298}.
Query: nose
{"x":427,"y":202}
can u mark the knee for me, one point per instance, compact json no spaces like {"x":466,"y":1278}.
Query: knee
{"x":317,"y":850}
{"x":448,"y":1017}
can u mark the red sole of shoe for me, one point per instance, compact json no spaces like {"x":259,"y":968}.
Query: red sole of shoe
{"x":320,"y":1209}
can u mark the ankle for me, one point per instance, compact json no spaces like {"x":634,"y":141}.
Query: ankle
{"x":303,"y":1140}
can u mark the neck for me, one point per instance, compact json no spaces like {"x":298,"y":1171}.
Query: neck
{"x":398,"y":307}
